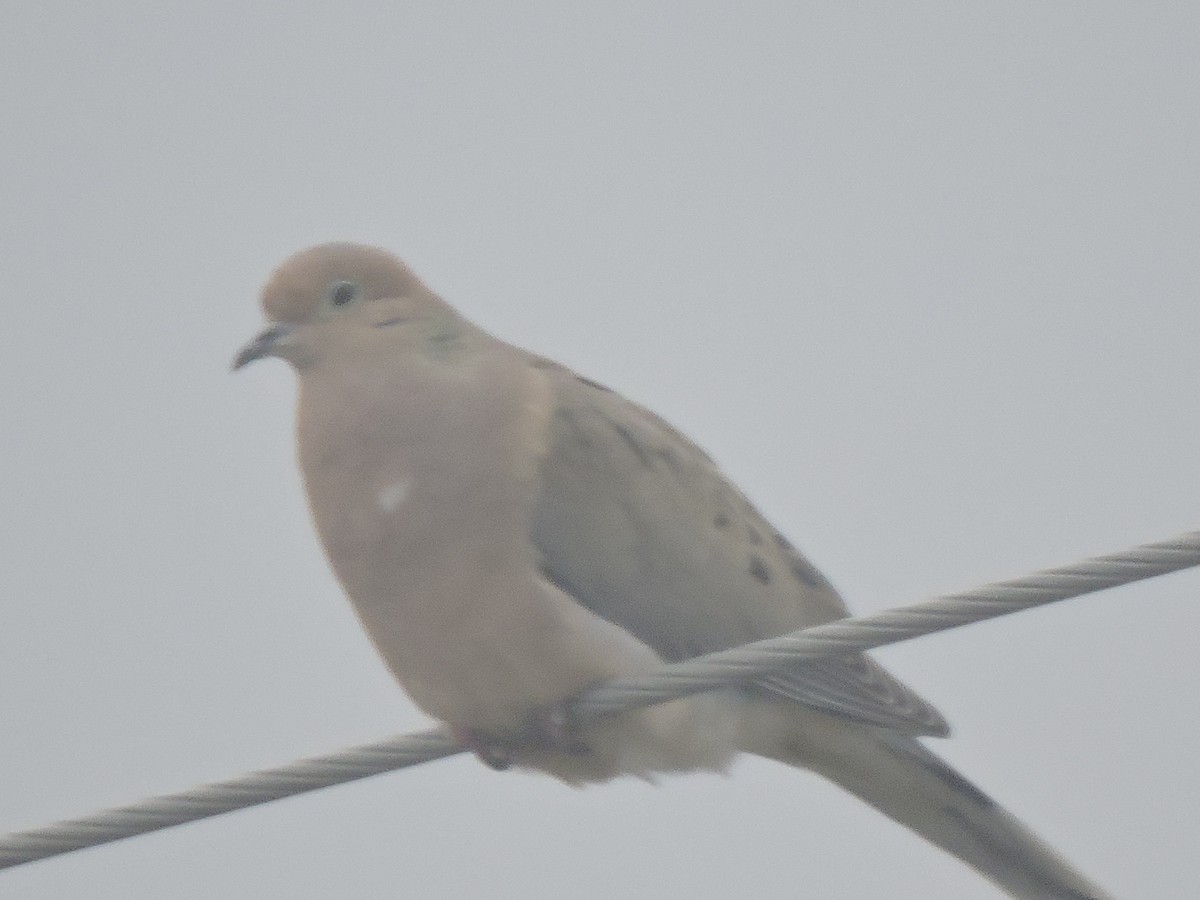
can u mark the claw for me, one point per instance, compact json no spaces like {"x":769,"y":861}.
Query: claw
{"x":490,"y":752}
{"x":547,"y":728}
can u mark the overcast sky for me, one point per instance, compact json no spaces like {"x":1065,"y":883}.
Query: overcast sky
{"x":922,"y":277}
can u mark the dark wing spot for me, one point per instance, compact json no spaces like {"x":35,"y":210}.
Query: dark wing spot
{"x":388,"y":323}
{"x":595,"y":384}
{"x":752,"y":533}
{"x":802,"y":570}
{"x":627,"y":436}
{"x":571,"y":421}
{"x":721,"y":521}
{"x":759,"y":570}
{"x":541,"y":362}
{"x":668,"y":456}
{"x":806,"y":573}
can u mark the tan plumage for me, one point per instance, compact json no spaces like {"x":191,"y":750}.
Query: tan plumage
{"x":510,"y":533}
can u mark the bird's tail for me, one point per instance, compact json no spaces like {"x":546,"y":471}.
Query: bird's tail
{"x":912,"y":785}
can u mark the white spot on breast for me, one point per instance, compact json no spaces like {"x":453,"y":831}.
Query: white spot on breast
{"x":390,"y":498}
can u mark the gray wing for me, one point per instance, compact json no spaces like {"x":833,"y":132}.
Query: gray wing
{"x":640,"y":526}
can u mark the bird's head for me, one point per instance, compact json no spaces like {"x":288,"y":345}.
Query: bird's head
{"x":349,"y":298}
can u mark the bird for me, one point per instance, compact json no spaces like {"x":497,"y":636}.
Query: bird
{"x":510,"y":533}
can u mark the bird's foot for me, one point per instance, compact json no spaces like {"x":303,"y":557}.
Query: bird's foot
{"x":548,"y":728}
{"x":493,"y":753}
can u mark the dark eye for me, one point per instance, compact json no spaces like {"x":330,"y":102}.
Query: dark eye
{"x":342,"y":292}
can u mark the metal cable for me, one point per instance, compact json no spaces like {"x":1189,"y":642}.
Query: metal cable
{"x":702,"y":673}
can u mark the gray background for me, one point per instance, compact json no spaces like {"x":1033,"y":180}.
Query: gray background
{"x":923,"y":277}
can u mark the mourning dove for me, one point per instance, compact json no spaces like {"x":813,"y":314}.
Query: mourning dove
{"x":510,"y":533}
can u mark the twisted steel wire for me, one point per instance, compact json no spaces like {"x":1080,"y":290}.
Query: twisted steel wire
{"x":713,"y":670}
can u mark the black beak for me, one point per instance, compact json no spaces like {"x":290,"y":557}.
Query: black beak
{"x":266,"y":344}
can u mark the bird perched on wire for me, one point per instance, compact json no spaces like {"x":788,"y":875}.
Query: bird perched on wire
{"x":510,"y":533}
